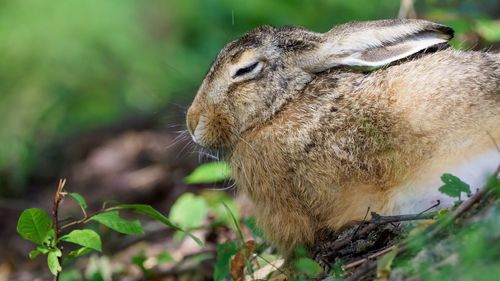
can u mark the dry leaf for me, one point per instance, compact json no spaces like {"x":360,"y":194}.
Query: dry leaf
{"x":238,"y":262}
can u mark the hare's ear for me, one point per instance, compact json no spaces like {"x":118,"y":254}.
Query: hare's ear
{"x":373,"y":44}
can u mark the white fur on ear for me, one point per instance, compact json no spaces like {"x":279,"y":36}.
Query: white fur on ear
{"x":374,"y":43}
{"x":381,"y":56}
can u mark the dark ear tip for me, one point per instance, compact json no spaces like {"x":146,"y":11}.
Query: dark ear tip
{"x":445,"y":30}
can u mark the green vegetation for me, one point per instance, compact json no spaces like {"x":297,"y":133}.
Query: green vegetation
{"x":71,"y":66}
{"x":35,"y":225}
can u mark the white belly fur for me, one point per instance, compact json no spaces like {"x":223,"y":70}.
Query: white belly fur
{"x":422,"y":192}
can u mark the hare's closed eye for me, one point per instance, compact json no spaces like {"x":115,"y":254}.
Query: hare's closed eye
{"x":247,"y":71}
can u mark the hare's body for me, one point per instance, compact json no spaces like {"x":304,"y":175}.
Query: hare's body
{"x":315,"y":144}
{"x":351,"y":141}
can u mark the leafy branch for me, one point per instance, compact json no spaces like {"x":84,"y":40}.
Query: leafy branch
{"x":35,"y":225}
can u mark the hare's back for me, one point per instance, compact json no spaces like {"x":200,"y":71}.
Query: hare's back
{"x":450,"y":73}
{"x":448,"y":90}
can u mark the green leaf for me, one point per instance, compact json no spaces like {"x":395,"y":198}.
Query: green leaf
{"x":80,"y":252}
{"x":151,"y":212}
{"x":53,"y":261}
{"x":308,"y":267}
{"x":34,"y":225}
{"x":35,"y":253}
{"x":453,"y":186}
{"x":189,"y":211}
{"x":165,"y":257}
{"x":384,"y":264}
{"x":112,"y":220}
{"x":236,"y":223}
{"x":224,"y":253}
{"x":40,"y":250}
{"x":209,"y":173}
{"x":79,"y":199}
{"x":84,"y":237}
{"x":300,"y":252}
{"x":147,"y":210}
{"x":215,"y":201}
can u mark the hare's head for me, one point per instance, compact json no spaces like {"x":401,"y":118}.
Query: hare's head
{"x":255,"y":76}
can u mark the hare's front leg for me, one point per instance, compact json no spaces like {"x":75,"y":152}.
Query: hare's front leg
{"x":285,"y":226}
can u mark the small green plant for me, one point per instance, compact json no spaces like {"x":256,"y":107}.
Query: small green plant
{"x":454,"y":187}
{"x":48,"y":233}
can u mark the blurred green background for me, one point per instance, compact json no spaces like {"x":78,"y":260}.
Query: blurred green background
{"x":70,"y":65}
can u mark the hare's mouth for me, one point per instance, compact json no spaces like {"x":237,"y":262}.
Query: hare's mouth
{"x":213,"y":139}
{"x":215,"y":150}
{"x":211,"y":129}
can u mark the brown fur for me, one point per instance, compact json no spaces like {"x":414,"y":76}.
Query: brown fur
{"x":314,"y":150}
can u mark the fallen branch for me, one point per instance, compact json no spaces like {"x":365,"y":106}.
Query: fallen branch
{"x":378,"y":219}
{"x":361,"y":261}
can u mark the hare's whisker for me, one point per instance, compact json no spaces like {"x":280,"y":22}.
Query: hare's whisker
{"x":183,"y":149}
{"x":181,"y":137}
{"x":223,"y":188}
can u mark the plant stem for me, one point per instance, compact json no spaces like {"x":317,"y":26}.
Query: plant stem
{"x":55,"y":217}
{"x":87,"y":218}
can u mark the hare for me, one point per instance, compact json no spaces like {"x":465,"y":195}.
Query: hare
{"x":317,"y":127}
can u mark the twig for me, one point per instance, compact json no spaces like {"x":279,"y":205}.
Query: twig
{"x":361,"y":261}
{"x":362,"y":222}
{"x":55,"y":216}
{"x":378,"y":219}
{"x":431,"y":207}
{"x":366,"y":268}
{"x":88,"y":217}
{"x":364,"y":229}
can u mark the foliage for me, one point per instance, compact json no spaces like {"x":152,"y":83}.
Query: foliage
{"x":69,"y":66}
{"x":189,"y":211}
{"x":211,"y":172}
{"x":453,"y":186}
{"x":113,"y":221}
{"x":308,"y":267}
{"x":35,"y":225}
